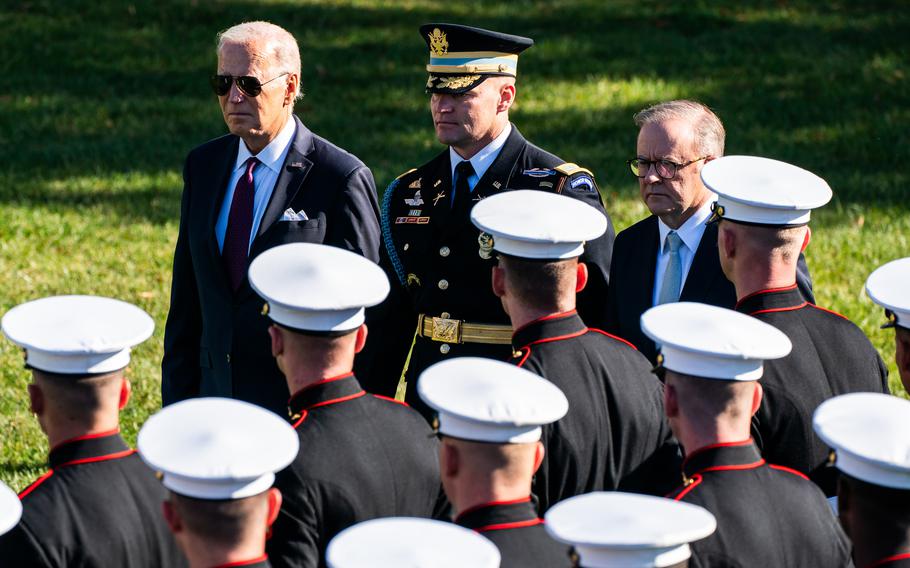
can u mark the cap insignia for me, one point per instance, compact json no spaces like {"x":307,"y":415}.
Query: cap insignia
{"x":456,"y":82}
{"x":438,"y":43}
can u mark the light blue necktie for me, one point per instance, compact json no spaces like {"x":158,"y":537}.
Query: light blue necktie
{"x":670,"y":287}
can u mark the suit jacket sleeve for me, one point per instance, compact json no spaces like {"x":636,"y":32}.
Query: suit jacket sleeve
{"x":355,"y":226}
{"x":180,"y":373}
{"x":804,"y":279}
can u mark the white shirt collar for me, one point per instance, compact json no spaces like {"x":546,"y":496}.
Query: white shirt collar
{"x":692,"y":230}
{"x":272,"y":156}
{"x":482,"y":160}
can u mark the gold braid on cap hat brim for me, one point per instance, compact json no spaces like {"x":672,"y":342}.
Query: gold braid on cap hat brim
{"x":456,"y":82}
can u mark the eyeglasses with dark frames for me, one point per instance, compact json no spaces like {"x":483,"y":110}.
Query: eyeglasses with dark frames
{"x":666,"y":169}
{"x":248,"y":85}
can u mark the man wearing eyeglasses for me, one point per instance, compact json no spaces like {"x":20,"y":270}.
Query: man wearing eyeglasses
{"x":269,"y":182}
{"x":672,"y":255}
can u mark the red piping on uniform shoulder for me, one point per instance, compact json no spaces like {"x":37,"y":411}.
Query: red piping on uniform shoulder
{"x":696,"y":481}
{"x":736,"y":467}
{"x":35,"y":484}
{"x":545,"y":318}
{"x":524,"y":359}
{"x":262,"y":558}
{"x":114,"y":456}
{"x":616,"y":337}
{"x":300,"y":420}
{"x":787,"y":309}
{"x":890,"y":559}
{"x":322,"y":382}
{"x":789,"y":470}
{"x":492,"y":504}
{"x":87,"y":437}
{"x":557,"y":338}
{"x":765,"y":291}
{"x":390,"y":399}
{"x":830,"y":311}
{"x":514,"y":525}
{"x":337,"y":400}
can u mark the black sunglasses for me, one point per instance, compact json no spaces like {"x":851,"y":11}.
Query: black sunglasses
{"x":249,"y":86}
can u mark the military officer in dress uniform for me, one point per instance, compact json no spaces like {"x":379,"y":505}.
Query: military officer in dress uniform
{"x":218,"y":459}
{"x":440,"y":284}
{"x":361,"y":456}
{"x":616,"y":529}
{"x":763,"y":208}
{"x":490,"y":418}
{"x":98,"y":505}
{"x":767,"y":515}
{"x":10,"y":508}
{"x":889,"y":287}
{"x":615,"y":427}
{"x":402,"y":541}
{"x":870,"y":434}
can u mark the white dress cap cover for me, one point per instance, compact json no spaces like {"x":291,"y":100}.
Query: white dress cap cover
{"x":615,"y":529}
{"x":314,"y":287}
{"x":10,"y":508}
{"x":870,"y":432}
{"x":490,"y":401}
{"x":711,"y":342}
{"x":77,"y":334}
{"x":889,"y":287}
{"x":403,"y":542}
{"x":537,"y":224}
{"x":764,"y":191}
{"x":217,"y":448}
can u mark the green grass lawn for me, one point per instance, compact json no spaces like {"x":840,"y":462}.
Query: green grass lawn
{"x":100,"y":101}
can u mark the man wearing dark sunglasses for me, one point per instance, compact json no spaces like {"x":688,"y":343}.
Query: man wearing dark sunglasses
{"x":269,"y":182}
{"x":671,"y":255}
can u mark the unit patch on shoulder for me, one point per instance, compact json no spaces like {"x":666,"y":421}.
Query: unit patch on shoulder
{"x":583,"y":183}
{"x":539,"y":172}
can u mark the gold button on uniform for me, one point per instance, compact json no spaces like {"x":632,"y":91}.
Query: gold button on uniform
{"x":444,"y":348}
{"x":444,"y":251}
{"x":443,"y":284}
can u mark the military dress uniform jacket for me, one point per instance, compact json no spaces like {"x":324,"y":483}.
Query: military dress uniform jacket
{"x":830,"y":357}
{"x":361,"y":457}
{"x":767,"y":515}
{"x":632,"y":273}
{"x":896,"y":561}
{"x":216,"y":341}
{"x":517,"y":530}
{"x":615,"y":422}
{"x":433,"y":261}
{"x":98,"y":506}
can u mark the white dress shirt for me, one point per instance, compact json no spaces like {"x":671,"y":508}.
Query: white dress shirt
{"x":482,"y":160}
{"x":690,"y":233}
{"x":264,"y":177}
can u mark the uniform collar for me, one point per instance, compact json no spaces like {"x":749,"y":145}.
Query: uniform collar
{"x":771,"y":300}
{"x":261,"y":562}
{"x":723,"y":457}
{"x":554,"y":327}
{"x":89,"y":448}
{"x":327,"y":391}
{"x":500,"y":515}
{"x":896,"y":560}
{"x":273,"y":155}
{"x":482,"y":160}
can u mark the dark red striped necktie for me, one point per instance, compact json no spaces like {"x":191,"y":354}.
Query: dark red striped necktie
{"x":240,"y":223}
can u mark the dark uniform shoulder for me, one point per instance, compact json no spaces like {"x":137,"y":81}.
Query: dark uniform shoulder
{"x":332,"y":156}
{"x":558,"y":177}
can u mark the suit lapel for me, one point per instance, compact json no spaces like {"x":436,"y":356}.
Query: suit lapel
{"x":704,"y":268}
{"x":497,"y":176}
{"x":641,"y":294}
{"x":225,"y":165}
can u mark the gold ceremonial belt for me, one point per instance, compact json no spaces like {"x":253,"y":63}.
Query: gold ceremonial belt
{"x":449,"y":330}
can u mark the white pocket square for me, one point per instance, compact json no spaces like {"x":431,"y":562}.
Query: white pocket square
{"x":290,"y":215}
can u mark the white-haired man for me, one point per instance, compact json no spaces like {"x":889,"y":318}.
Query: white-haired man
{"x":269,"y":182}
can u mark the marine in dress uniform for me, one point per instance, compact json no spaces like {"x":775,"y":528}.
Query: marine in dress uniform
{"x":870,"y":437}
{"x":767,"y":515}
{"x":615,"y":427}
{"x":888,"y":287}
{"x":218,"y":457}
{"x":98,"y":505}
{"x":402,"y":541}
{"x":361,"y":456}
{"x":490,"y":416}
{"x":757,"y":198}
{"x":611,"y":529}
{"x":440,"y":284}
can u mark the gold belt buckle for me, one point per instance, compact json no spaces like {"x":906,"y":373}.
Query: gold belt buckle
{"x":446,"y":330}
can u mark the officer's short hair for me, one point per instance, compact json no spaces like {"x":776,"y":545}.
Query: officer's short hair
{"x":81,"y":394}
{"x":220,"y":520}
{"x":709,"y":130}
{"x":285,"y":52}
{"x":538,"y":282}
{"x":784,"y":242}
{"x":707,"y":397}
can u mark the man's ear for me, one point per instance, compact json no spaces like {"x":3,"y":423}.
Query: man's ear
{"x":671,"y":400}
{"x":274,"y":498}
{"x":291,"y":89}
{"x":125,"y":390}
{"x":806,"y":239}
{"x":726,"y":241}
{"x":171,"y":516}
{"x":498,"y":279}
{"x":757,"y":395}
{"x":581,"y":277}
{"x":35,"y":399}
{"x":539,"y":453}
{"x":361,"y":338}
{"x":450,"y":458}
{"x":277,"y":340}
{"x":506,"y":97}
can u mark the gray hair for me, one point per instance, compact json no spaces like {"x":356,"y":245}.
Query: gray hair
{"x":709,"y":130}
{"x":282,"y":45}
